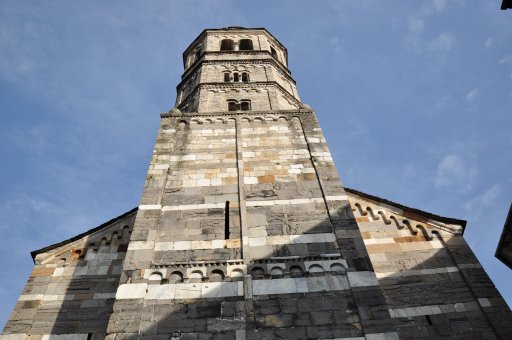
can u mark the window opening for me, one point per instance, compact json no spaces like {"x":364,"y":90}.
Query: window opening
{"x":232,"y":105}
{"x":226,"y":222}
{"x":245,"y":105}
{"x":236,"y":77}
{"x":273,"y":52}
{"x":245,"y":77}
{"x":429,"y":320}
{"x":226,"y":77}
{"x":245,"y":45}
{"x":227,"y":45}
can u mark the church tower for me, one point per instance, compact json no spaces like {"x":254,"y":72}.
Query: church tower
{"x":243,"y":210}
{"x":244,"y":231}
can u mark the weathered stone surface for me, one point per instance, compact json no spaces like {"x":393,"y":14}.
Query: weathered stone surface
{"x":244,"y":231}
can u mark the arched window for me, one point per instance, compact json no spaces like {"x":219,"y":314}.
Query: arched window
{"x":245,"y":45}
{"x":236,"y":77}
{"x":226,"y":77}
{"x":245,"y":105}
{"x":227,"y":45}
{"x":245,"y":77}
{"x":198,"y":54}
{"x":273,"y":52}
{"x":232,"y":105}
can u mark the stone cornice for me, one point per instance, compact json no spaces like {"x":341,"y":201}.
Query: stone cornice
{"x":266,"y":84}
{"x":235,"y":113}
{"x":193,"y":68}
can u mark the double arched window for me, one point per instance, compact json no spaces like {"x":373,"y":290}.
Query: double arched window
{"x":242,"y":105}
{"x":243,"y":45}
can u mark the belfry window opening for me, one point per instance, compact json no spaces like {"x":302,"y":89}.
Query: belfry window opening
{"x":236,"y":77}
{"x":242,"y":105}
{"x":227,"y":45}
{"x":245,"y":45}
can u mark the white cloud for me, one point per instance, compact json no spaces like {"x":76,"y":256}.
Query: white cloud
{"x":488,"y":42}
{"x":439,"y":5}
{"x":472,"y":95}
{"x":336,"y":43}
{"x":444,"y":103}
{"x":416,"y":25}
{"x":486,"y":199}
{"x":443,"y":43}
{"x":454,"y":172}
{"x":505,"y":60}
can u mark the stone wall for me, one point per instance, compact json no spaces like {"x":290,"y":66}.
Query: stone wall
{"x":72,"y":288}
{"x":433,"y":284}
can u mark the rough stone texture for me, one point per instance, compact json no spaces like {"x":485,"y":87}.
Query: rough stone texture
{"x":73,"y":285}
{"x":244,"y":231}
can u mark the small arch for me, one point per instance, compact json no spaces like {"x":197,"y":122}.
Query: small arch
{"x":103,"y":244}
{"x":232,"y":105}
{"x":237,"y":273}
{"x":227,"y":45}
{"x":126,"y":232}
{"x":316,"y":268}
{"x":115,"y":236}
{"x":61,"y":263}
{"x":245,"y":120}
{"x":257,"y":273}
{"x":258,"y":120}
{"x":245,"y":105}
{"x":337,"y":268}
{"x":245,"y":45}
{"x":216,"y":275}
{"x":384,"y":218}
{"x":276,"y":272}
{"x":208,"y":121}
{"x":219,"y":121}
{"x":195,"y":276}
{"x":296,"y":271}
{"x":155,"y":276}
{"x":176,"y":277}
{"x":282,"y":119}
{"x":231,"y":121}
{"x":269,"y":118}
{"x":226,"y":77}
{"x":195,"y":121}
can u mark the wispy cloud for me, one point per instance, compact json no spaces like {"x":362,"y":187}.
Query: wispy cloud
{"x":453,"y":171}
{"x":472,"y":95}
{"x":416,"y":24}
{"x":485,"y":199}
{"x":439,"y":5}
{"x":488,"y":43}
{"x":443,"y":43}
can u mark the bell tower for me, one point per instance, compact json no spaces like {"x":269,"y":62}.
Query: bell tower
{"x":244,"y":230}
{"x":236,"y":69}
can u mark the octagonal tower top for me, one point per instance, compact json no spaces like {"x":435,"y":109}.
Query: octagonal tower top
{"x":236,"y":69}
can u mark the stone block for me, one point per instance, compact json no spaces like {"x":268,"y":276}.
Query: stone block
{"x":131,"y":291}
{"x":161,"y":292}
{"x":211,"y":289}
{"x":362,"y":279}
{"x":188,"y":291}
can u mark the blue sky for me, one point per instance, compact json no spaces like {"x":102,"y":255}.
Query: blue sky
{"x":415,"y":100}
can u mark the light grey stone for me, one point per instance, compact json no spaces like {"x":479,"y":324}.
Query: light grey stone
{"x":362,"y":279}
{"x":131,"y":291}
